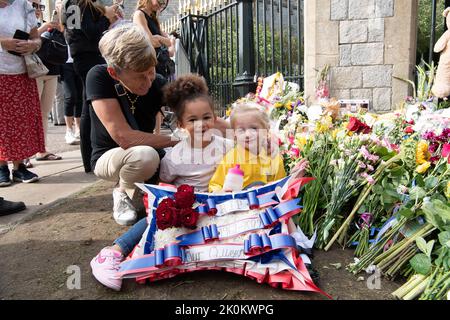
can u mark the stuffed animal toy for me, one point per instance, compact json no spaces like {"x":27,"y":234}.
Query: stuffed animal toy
{"x":441,"y":87}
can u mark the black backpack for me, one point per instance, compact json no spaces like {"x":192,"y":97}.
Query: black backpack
{"x":54,"y":48}
{"x":165,"y":66}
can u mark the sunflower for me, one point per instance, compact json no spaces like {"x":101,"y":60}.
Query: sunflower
{"x":422,"y":154}
{"x":423,"y":167}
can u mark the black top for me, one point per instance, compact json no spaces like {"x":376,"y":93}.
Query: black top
{"x":152,"y":25}
{"x":100,"y":85}
{"x":93,"y":24}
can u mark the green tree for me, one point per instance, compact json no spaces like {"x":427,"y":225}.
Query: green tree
{"x":424,"y":27}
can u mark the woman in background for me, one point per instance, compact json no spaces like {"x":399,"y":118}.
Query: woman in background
{"x":83,"y":42}
{"x":21,"y":134}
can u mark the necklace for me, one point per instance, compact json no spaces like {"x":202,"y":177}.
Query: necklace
{"x":133,"y":108}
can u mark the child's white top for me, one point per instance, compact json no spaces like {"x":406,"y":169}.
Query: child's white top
{"x":193,"y":166}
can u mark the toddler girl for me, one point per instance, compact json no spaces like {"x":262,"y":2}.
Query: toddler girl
{"x":251,"y":130}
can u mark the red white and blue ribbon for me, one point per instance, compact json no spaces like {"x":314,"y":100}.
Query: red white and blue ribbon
{"x":174,"y":255}
{"x":265,"y":220}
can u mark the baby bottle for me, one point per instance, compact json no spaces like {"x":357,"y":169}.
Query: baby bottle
{"x":234,"y":180}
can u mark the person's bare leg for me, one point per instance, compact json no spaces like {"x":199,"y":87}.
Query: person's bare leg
{"x":16,"y":164}
{"x":77,"y":126}
{"x":69,"y":124}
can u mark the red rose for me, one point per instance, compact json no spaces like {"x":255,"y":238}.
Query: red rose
{"x":189,"y":217}
{"x":354,"y":124}
{"x":176,"y":219}
{"x":366,"y":129}
{"x":185,"y":188}
{"x":184,"y":200}
{"x":167,"y":202}
{"x":165,"y":217}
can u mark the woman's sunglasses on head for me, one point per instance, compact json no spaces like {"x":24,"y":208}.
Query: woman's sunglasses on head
{"x":162,"y":2}
{"x":38,"y":6}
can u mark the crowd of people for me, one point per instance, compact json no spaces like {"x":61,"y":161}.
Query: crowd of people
{"x":62,"y":90}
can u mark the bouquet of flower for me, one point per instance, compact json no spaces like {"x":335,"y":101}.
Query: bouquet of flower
{"x":322,"y":89}
{"x":177,"y":212}
{"x":353,"y":166}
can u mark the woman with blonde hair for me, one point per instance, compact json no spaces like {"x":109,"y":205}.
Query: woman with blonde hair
{"x":124,"y":97}
{"x":146,"y":16}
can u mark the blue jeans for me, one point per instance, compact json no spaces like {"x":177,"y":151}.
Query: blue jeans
{"x":131,"y":238}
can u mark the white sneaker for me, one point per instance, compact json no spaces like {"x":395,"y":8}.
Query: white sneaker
{"x":124,"y":212}
{"x":70,"y":138}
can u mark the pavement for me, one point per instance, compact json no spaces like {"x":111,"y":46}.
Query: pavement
{"x":58,"y":180}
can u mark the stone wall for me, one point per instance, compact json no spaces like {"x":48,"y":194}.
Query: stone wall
{"x":366,"y":43}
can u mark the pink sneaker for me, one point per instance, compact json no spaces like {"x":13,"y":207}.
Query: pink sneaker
{"x":105,"y":266}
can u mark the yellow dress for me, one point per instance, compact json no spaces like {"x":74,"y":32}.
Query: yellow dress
{"x":257,"y":168}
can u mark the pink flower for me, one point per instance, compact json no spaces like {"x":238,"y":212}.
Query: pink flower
{"x":368,"y":177}
{"x":374,"y":158}
{"x":446,"y":150}
{"x":370,"y":168}
{"x":433,"y":147}
{"x":295,"y":151}
{"x":365,"y":152}
{"x":291,"y":139}
{"x":362,"y":164}
{"x":429,"y":135}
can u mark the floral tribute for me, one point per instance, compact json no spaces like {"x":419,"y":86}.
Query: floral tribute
{"x":179,"y":212}
{"x":382,"y":181}
{"x":250,"y":234}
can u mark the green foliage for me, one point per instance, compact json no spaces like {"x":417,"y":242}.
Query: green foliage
{"x":421,"y":263}
{"x":424,"y":27}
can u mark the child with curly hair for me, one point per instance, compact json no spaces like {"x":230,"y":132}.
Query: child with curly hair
{"x":194,"y":160}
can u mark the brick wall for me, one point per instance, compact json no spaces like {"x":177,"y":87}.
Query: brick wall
{"x":367,"y":43}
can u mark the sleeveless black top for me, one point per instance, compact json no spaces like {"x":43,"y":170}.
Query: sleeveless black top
{"x":152,"y":25}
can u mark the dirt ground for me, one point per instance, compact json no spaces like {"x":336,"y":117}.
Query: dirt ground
{"x":37,"y":253}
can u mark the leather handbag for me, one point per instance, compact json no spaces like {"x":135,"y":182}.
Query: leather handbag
{"x":35,"y":67}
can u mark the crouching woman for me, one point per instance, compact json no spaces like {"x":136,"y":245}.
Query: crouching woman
{"x":125,"y":96}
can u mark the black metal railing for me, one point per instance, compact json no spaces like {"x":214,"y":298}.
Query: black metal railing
{"x":238,"y":41}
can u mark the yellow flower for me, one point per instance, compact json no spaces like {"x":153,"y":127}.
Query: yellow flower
{"x":334,"y":133}
{"x":324,"y":124}
{"x":350,"y":133}
{"x":228,"y":112}
{"x":300,"y":141}
{"x":422,"y":154}
{"x":278,"y":105}
{"x":423,"y":167}
{"x":288,"y":105}
{"x":447,"y":191}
